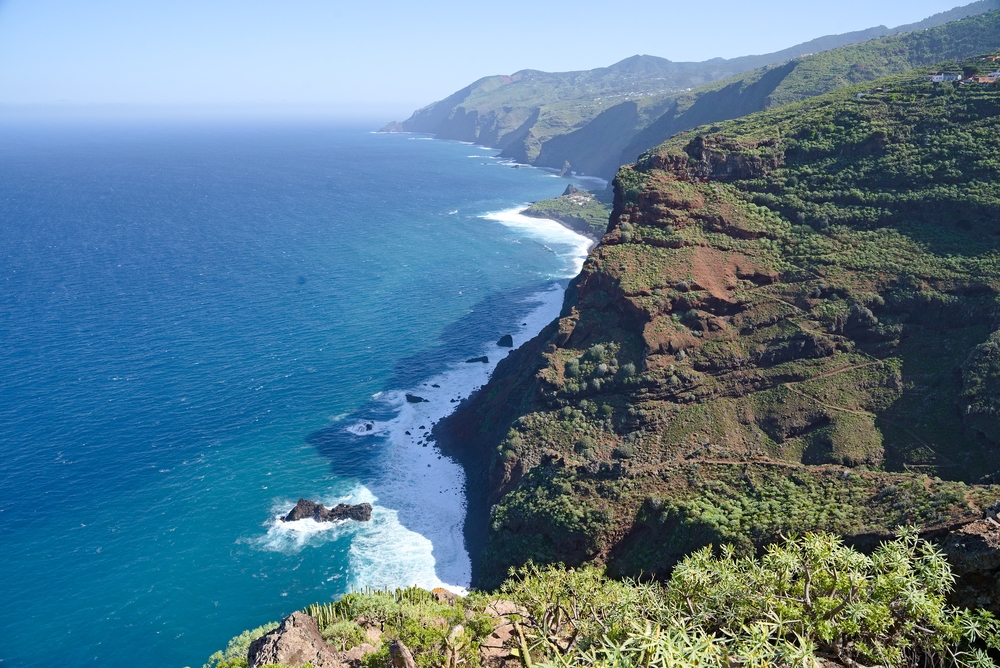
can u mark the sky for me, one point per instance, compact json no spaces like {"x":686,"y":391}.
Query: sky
{"x":373,"y":59}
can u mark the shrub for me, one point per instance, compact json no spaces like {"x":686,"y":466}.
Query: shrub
{"x":809,"y":596}
{"x":628,"y":370}
{"x":623,"y":452}
{"x":235,"y":654}
{"x":343,"y":635}
{"x":572,"y":368}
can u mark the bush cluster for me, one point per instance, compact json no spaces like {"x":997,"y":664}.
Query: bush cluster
{"x":806,"y":598}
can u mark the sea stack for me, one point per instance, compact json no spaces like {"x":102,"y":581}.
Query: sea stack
{"x":362,"y":512}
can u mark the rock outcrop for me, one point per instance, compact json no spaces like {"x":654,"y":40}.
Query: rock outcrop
{"x":506,"y":341}
{"x":361,"y":512}
{"x":497,"y":651}
{"x":401,"y":656}
{"x":295,"y":642}
{"x":974,"y":553}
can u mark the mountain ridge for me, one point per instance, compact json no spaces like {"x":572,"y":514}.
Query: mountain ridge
{"x":534,"y":116}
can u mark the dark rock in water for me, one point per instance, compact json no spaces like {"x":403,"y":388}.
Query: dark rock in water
{"x":570,"y":190}
{"x":506,"y":341}
{"x":342,"y":511}
{"x":369,"y":426}
{"x":435,"y":385}
{"x":484,"y":359}
{"x":414,"y":399}
{"x":407,"y":433}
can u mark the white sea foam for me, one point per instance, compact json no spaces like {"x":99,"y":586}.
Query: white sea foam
{"x":415,"y":536}
{"x":383,"y":552}
{"x":292,"y":537}
{"x":572,"y":247}
{"x":426,"y":490}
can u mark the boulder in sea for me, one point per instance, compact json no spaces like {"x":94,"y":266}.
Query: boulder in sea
{"x":361,"y":512}
{"x":414,"y":399}
{"x":570,"y":190}
{"x":484,"y":359}
{"x":506,"y":341}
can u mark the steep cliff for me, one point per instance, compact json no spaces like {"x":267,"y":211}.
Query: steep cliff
{"x":790,"y":325}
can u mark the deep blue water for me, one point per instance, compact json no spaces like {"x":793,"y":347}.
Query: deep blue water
{"x":198,"y":325}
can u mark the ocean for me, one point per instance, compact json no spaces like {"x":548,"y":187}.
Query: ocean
{"x":202,"y":323}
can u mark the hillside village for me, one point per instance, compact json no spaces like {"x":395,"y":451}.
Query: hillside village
{"x":971,"y":75}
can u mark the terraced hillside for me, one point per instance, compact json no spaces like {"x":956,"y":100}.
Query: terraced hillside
{"x":791,"y":324}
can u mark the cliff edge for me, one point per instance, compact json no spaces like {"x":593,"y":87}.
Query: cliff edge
{"x":791,"y":325}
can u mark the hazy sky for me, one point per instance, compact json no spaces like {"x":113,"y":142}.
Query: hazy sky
{"x":375,"y":58}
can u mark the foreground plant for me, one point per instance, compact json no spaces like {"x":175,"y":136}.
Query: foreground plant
{"x":808,"y":598}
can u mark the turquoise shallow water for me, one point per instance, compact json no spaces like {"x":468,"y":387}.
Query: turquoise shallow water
{"x":198,"y":325}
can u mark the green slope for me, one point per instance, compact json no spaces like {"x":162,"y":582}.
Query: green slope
{"x":790,"y":325}
{"x":818,"y":74}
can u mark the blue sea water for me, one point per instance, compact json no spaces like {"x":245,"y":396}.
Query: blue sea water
{"x":201,"y":323}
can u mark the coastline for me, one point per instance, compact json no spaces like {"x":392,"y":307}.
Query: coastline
{"x":574,"y":224}
{"x":455,"y":434}
{"x":428,"y":493}
{"x":458,"y":437}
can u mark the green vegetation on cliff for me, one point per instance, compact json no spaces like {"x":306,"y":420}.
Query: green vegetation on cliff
{"x":579,"y":210}
{"x":817,"y":74}
{"x":788,"y":327}
{"x":805,"y":602}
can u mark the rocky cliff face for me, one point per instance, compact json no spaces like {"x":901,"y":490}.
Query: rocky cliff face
{"x":721,"y":374}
